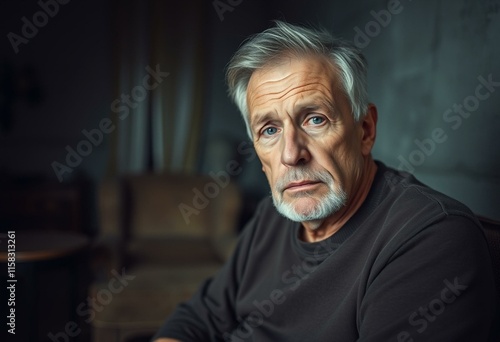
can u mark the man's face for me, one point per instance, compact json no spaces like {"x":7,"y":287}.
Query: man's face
{"x":311,"y":149}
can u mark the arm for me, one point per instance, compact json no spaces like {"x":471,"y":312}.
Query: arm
{"x":206,"y":315}
{"x":211,"y":312}
{"x":438,"y":286}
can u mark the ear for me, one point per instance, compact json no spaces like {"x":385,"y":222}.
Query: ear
{"x":369,"y":129}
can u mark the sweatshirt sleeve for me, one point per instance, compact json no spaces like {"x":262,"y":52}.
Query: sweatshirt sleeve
{"x":210,"y":313}
{"x":421,"y":295}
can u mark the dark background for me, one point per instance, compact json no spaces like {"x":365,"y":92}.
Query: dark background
{"x":423,"y":60}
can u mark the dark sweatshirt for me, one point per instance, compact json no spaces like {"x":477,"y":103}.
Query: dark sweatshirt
{"x":411,"y":265}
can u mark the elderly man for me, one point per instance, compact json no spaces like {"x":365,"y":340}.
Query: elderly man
{"x":348,"y":249}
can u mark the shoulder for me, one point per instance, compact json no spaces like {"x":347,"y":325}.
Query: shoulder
{"x":420,"y":225}
{"x":409,"y":213}
{"x":408,"y":200}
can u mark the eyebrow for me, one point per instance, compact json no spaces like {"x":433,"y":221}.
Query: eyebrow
{"x":321,"y":104}
{"x":260,"y":118}
{"x":310,"y":107}
{"x":316,"y":105}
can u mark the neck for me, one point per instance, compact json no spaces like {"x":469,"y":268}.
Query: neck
{"x":320,"y":230}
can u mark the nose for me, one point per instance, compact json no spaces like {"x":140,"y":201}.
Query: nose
{"x":294,"y":148}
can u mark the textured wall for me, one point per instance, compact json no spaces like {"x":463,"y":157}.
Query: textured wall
{"x":435,"y":77}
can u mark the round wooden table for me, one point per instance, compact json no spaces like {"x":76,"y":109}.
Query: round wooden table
{"x":36,"y":253}
{"x":41,"y":246}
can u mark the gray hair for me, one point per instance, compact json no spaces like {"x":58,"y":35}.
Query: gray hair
{"x":286,"y":39}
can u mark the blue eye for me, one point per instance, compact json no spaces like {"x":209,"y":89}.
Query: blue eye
{"x":270,"y":130}
{"x":317,"y":120}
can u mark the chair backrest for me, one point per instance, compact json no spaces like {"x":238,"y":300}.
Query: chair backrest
{"x":491,"y":229}
{"x":166,"y":205}
{"x":140,"y":212}
{"x":163,"y":205}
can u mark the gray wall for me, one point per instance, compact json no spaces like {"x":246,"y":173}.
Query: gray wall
{"x":424,"y":60}
{"x":425,"y":65}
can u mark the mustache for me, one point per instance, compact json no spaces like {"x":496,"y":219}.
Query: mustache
{"x":302,"y":174}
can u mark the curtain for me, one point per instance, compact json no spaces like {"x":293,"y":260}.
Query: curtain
{"x":157,"y":68}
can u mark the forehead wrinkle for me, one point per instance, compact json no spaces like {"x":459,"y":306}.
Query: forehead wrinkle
{"x":324,"y":90}
{"x":289,"y":80}
{"x":294,"y":106}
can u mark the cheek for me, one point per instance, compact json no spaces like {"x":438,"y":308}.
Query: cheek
{"x":348,"y":166}
{"x":331,"y":149}
{"x":271,"y":173}
{"x":267,"y":167}
{"x":337,"y":158}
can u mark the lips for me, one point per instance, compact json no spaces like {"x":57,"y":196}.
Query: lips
{"x":300,"y":185}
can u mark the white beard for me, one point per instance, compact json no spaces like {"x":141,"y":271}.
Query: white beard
{"x":320,"y":208}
